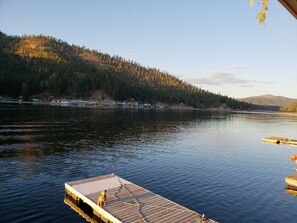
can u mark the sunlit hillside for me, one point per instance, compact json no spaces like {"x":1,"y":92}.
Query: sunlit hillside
{"x":289,"y":108}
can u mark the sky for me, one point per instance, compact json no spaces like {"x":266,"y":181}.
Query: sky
{"x":217,"y":45}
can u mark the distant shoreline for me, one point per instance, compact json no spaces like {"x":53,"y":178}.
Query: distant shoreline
{"x":119,"y":105}
{"x":157,"y":106}
{"x":288,"y":113}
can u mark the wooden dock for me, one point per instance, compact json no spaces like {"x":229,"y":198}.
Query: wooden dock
{"x":126,"y":202}
{"x":279,"y":140}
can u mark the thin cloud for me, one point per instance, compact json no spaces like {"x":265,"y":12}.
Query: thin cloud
{"x":246,"y":86}
{"x":220,"y":78}
{"x":267,"y":72}
{"x":233,"y":67}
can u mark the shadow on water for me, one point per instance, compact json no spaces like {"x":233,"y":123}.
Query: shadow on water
{"x":84,"y":210}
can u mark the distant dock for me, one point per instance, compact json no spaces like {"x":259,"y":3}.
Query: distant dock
{"x":126,"y":202}
{"x":292,"y":184}
{"x":279,"y":140}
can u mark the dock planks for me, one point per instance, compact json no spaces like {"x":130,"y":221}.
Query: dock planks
{"x":127,"y":202}
{"x":279,"y":140}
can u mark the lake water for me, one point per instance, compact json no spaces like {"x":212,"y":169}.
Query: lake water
{"x":212,"y":163}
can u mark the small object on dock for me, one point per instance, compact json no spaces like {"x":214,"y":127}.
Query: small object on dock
{"x":278,"y":140}
{"x":102,"y":199}
{"x":125,"y":202}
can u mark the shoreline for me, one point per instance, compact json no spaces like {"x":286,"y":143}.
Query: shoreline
{"x":120,"y":105}
{"x":158,"y":106}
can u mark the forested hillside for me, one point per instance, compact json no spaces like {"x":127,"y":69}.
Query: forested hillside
{"x":31,"y":65}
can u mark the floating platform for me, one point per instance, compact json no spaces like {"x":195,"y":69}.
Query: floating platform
{"x":279,"y":140}
{"x":292,"y":181}
{"x":126,"y":202}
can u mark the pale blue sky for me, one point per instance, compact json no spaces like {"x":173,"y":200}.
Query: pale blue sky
{"x":217,"y":45}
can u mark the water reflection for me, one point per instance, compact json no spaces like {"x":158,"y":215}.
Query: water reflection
{"x":217,"y":157}
{"x":30,"y":154}
{"x":83,"y":211}
{"x":291,"y":191}
{"x":62,"y":130}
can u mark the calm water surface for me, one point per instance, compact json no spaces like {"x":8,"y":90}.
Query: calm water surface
{"x":209,"y":162}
